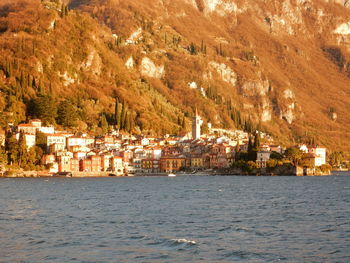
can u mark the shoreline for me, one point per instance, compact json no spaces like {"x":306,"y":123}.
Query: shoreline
{"x":40,"y":174}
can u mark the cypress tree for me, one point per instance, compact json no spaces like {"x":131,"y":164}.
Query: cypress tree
{"x":22,"y":81}
{"x":66,"y":10}
{"x":256,"y":145}
{"x":40,"y":88}
{"x":132,"y":122}
{"x":250,"y":145}
{"x":122,"y":117}
{"x":104,"y":124}
{"x":183,"y":123}
{"x":50,"y":89}
{"x":29,"y":80}
{"x":22,"y":150}
{"x":117,"y":114}
{"x":67,"y":114}
{"x":62,"y":10}
{"x":251,"y":151}
{"x":127,"y":122}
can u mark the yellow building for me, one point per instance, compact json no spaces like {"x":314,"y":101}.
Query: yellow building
{"x":197,"y":162}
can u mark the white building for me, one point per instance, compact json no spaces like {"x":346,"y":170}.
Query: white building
{"x":76,"y":141}
{"x":36,"y":123}
{"x":29,"y":139}
{"x":262,"y":158}
{"x":196,"y":126}
{"x":117,"y":165}
{"x":55,"y":139}
{"x":320,"y":155}
{"x":47,"y":130}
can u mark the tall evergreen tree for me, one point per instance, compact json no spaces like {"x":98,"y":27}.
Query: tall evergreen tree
{"x":11,"y":147}
{"x":184,"y":123}
{"x":44,"y":108}
{"x":257,"y":143}
{"x":123,"y":116}
{"x":67,"y":114}
{"x":104,"y":123}
{"x":117,"y":114}
{"x":22,"y":150}
{"x":250,"y":145}
{"x":127,"y":123}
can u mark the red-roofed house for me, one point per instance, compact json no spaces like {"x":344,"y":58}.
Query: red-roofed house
{"x":27,"y":128}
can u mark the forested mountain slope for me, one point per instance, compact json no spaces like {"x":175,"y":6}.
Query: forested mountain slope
{"x":281,"y":65}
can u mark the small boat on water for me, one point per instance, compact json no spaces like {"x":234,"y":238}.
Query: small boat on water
{"x":171,"y":175}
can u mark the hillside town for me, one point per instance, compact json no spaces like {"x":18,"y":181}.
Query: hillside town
{"x":122,"y":154}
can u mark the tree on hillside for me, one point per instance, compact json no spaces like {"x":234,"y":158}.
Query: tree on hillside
{"x":117,"y":114}
{"x":127,"y":123}
{"x":104,"y":124}
{"x":250,"y":145}
{"x":294,"y":155}
{"x":253,"y":147}
{"x":192,"y":48}
{"x":22,"y":150}
{"x":336,"y":158}
{"x":40,"y":140}
{"x":44,"y":108}
{"x":257,"y":143}
{"x":67,"y":114}
{"x":205,"y":128}
{"x":123,"y":115}
{"x":183,"y":125}
{"x":11,"y":147}
{"x":3,"y":156}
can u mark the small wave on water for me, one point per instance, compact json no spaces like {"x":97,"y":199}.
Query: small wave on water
{"x":176,"y":243}
{"x":184,"y":241}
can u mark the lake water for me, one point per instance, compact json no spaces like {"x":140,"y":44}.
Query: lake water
{"x":181,"y":219}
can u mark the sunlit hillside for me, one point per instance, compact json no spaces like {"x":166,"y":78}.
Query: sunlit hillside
{"x":282,"y":66}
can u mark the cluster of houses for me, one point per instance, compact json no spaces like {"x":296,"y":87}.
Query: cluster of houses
{"x":121,"y":154}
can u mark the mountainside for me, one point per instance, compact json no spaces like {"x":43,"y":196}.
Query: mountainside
{"x":282,"y":66}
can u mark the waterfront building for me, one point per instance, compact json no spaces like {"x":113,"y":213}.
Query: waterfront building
{"x":64,"y":164}
{"x":262,"y":158}
{"x":95,"y":163}
{"x":196,"y":162}
{"x":320,"y":155}
{"x":150,"y":165}
{"x":74,"y":165}
{"x":172,"y":163}
{"x":117,"y":165}
{"x":106,"y":164}
{"x":85,"y":165}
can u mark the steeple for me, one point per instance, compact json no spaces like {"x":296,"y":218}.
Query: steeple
{"x":196,"y":126}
